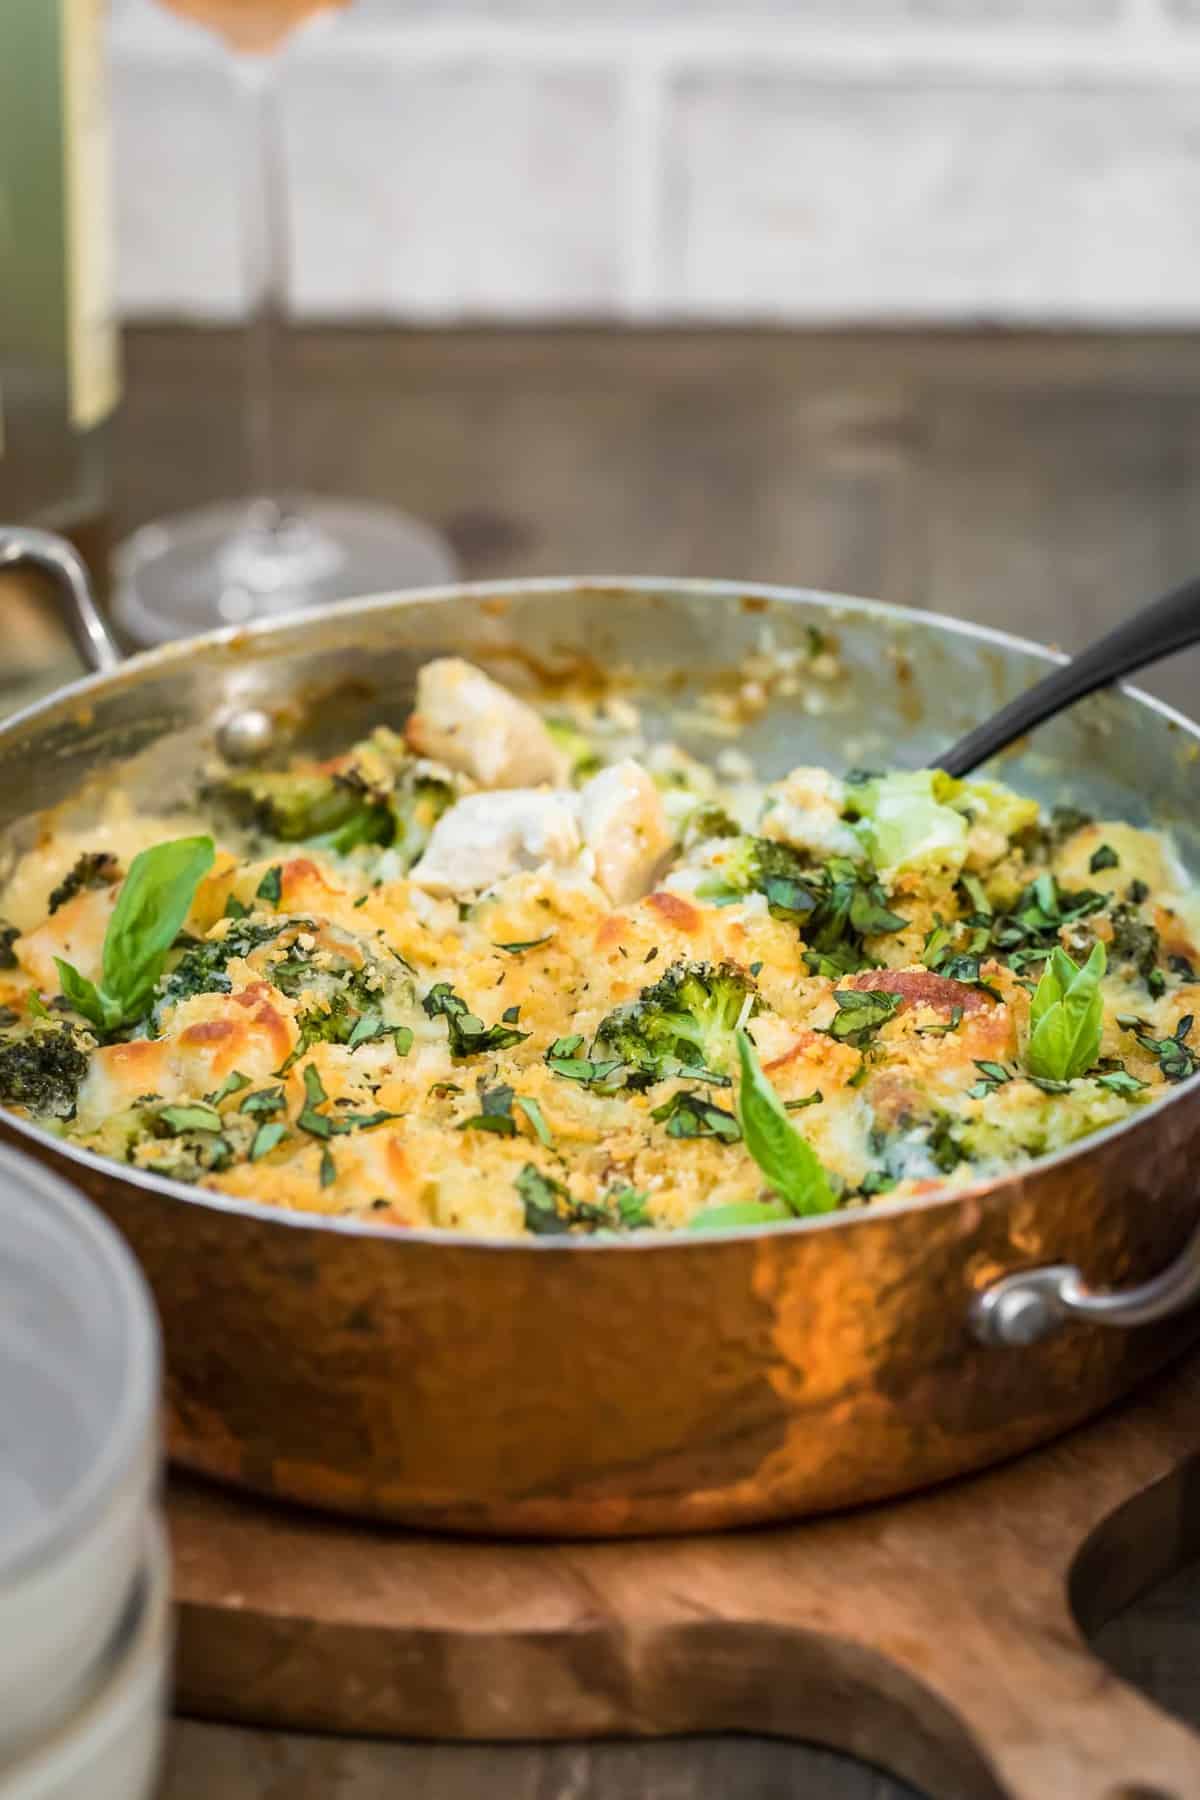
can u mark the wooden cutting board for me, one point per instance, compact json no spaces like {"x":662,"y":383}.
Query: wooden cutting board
{"x":941,"y":1636}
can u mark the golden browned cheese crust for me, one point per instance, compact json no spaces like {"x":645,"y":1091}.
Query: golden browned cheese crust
{"x":404,"y":994}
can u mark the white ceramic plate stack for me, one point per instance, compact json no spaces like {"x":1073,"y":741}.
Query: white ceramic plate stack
{"x":85,"y":1634}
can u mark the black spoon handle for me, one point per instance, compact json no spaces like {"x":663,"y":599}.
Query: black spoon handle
{"x":1167,"y":625}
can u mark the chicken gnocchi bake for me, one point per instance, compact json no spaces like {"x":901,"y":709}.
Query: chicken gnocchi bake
{"x":519,"y":971}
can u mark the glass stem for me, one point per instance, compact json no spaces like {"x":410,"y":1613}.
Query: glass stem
{"x":264,"y":246}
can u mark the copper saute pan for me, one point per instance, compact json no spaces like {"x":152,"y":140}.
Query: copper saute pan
{"x":668,"y":1383}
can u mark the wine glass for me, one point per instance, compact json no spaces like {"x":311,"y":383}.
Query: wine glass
{"x":272,"y":552}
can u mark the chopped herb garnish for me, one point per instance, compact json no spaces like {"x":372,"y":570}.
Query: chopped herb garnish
{"x":994,"y":1075}
{"x":263,"y":1101}
{"x":8,"y":937}
{"x":94,"y":869}
{"x":945,"y":1027}
{"x":266,"y":1139}
{"x":328,"y":1168}
{"x":232,"y":1084}
{"x":510,"y":1015}
{"x":197,"y":1117}
{"x":1176,"y":1058}
{"x":1120,"y":1081}
{"x":468,"y":1035}
{"x":524,"y":944}
{"x":369,"y":1027}
{"x":630,"y":1207}
{"x":550,"y":1208}
{"x":584,"y":1069}
{"x":533,"y":1113}
{"x":861,"y":1012}
{"x":270,"y":888}
{"x":495,"y":1113}
{"x":1181,"y":966}
{"x":1137,"y":892}
{"x":234,"y":909}
{"x":813,"y":1099}
{"x":690,"y":1115}
{"x":1103,"y":858}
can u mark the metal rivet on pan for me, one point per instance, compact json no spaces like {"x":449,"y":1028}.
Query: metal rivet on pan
{"x":246,"y":736}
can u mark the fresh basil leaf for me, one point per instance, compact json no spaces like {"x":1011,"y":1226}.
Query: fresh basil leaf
{"x":1120,"y":1081}
{"x":232,"y":1084}
{"x":788,"y":1161}
{"x":266,"y":1138}
{"x":861,"y":1011}
{"x":190,"y":1118}
{"x":630,"y":1203}
{"x":87,"y":998}
{"x":533,"y":1113}
{"x":156,"y":897}
{"x":691,"y":1115}
{"x":263,"y":1100}
{"x":369,"y":1027}
{"x":742,"y":1212}
{"x":1067,"y":1017}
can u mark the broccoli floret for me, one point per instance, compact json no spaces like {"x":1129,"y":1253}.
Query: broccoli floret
{"x":420,"y":798}
{"x":42,"y":1071}
{"x":685,"y":1022}
{"x":94,"y":869}
{"x":382,"y":796}
{"x":307,"y":808}
{"x":708,"y":822}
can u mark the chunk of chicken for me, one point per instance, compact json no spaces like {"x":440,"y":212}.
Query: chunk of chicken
{"x":486,"y":837}
{"x":75,"y":932}
{"x":624,"y":825}
{"x":469,"y":722}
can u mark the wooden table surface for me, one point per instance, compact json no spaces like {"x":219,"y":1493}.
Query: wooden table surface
{"x":1039,"y":483}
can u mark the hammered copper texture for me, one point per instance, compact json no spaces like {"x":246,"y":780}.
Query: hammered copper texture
{"x":662,"y":1386}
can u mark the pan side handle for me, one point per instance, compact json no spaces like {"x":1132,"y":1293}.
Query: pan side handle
{"x":1026,"y":1307}
{"x":23,"y":546}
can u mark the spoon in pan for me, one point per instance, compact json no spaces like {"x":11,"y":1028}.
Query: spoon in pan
{"x":1159,"y":630}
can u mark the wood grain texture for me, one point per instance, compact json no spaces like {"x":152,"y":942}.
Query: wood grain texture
{"x":1039,"y":483}
{"x":936,"y":1636}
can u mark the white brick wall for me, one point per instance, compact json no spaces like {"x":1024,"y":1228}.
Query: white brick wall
{"x":807,"y":160}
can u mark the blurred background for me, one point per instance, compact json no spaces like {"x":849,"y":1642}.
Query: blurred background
{"x":887,"y":296}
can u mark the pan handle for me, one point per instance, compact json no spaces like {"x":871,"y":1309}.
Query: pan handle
{"x":62,"y":563}
{"x":1026,"y":1307}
